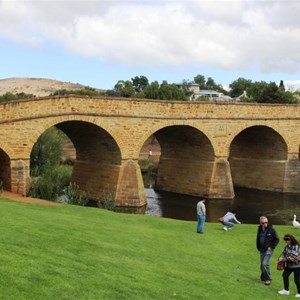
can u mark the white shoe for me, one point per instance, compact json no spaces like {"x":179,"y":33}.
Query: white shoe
{"x":229,"y":228}
{"x":284,"y":292}
{"x":225,"y":228}
{"x":297,"y":295}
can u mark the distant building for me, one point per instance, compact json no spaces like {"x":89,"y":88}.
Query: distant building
{"x":210,"y":94}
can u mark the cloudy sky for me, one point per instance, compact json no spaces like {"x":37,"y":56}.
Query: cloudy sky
{"x":99,"y":42}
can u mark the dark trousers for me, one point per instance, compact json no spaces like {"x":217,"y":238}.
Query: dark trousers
{"x":286,"y":273}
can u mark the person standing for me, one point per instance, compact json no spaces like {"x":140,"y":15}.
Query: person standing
{"x":229,"y":219}
{"x":266,"y":241}
{"x":290,"y":256}
{"x":201,"y":215}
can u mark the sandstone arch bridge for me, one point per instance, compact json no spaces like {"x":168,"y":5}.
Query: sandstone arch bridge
{"x":206,"y":148}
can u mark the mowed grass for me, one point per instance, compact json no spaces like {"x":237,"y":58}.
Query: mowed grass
{"x":71,"y":252}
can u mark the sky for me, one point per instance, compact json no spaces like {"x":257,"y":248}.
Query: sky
{"x":97,"y":43}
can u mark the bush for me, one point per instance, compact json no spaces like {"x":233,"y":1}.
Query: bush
{"x":148,"y":166}
{"x":47,"y":151}
{"x":149,"y":171}
{"x":73,"y":195}
{"x":107,"y":200}
{"x":51,"y":184}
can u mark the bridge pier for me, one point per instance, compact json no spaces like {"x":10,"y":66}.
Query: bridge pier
{"x":130,"y":188}
{"x":19,"y":176}
{"x":292,"y":175}
{"x":221,"y":183}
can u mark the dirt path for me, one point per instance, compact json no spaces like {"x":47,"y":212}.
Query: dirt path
{"x":20,"y":198}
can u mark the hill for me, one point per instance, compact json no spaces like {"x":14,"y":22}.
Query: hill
{"x":39,"y":87}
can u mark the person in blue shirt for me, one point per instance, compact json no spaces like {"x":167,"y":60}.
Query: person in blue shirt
{"x":266,"y":241}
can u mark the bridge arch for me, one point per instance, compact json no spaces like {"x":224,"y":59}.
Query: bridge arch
{"x":98,"y":158}
{"x":186,"y":160}
{"x":258,"y":156}
{"x":46,"y":124}
{"x":5,"y":170}
{"x":165,"y":124}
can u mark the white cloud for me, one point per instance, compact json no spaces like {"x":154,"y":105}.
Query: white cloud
{"x":292,"y":85}
{"x":231,"y":35}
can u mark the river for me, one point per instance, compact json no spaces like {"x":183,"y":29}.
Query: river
{"x":249,"y":205}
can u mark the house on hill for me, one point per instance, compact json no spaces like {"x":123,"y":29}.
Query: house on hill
{"x":197,"y":93}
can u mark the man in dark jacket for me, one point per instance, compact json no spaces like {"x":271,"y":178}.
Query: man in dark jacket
{"x":266,"y":241}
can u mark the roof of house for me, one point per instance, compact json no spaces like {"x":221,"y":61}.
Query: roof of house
{"x":209,"y":92}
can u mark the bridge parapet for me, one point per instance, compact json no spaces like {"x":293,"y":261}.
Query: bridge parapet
{"x":139,"y":108}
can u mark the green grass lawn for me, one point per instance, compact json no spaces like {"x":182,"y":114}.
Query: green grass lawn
{"x":72,"y":252}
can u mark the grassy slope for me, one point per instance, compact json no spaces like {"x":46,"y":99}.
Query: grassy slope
{"x":73,"y":252}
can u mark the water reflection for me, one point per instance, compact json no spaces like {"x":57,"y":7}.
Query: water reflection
{"x":249,"y":205}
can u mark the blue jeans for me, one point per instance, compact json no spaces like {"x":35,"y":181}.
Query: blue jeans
{"x":200,"y":225}
{"x":228,"y":224}
{"x":265,"y":257}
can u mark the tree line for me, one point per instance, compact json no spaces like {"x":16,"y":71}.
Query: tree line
{"x":245,"y":90}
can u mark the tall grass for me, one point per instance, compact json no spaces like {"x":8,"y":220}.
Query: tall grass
{"x":72,"y":252}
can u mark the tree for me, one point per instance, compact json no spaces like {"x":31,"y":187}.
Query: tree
{"x":200,"y":79}
{"x":124,"y":89}
{"x":269,"y":94}
{"x":260,"y":92}
{"x":47,"y":150}
{"x":255,"y":91}
{"x":164,"y":91}
{"x":238,"y":87}
{"x":170,"y":92}
{"x":281,"y":85}
{"x":210,"y":84}
{"x":186,"y":84}
{"x":152,"y":90}
{"x":140,"y":83}
{"x":275,"y":94}
{"x":263,"y":92}
{"x":10,"y":96}
{"x":86,"y":91}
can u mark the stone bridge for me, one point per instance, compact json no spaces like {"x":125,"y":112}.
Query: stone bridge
{"x":206,"y":148}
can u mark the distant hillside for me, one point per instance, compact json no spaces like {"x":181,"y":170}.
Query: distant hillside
{"x":39,"y":87}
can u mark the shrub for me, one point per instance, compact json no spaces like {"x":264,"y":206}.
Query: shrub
{"x":47,"y":151}
{"x":148,"y":166}
{"x":149,"y":171}
{"x":73,"y":195}
{"x":51,"y":184}
{"x":107,"y":200}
